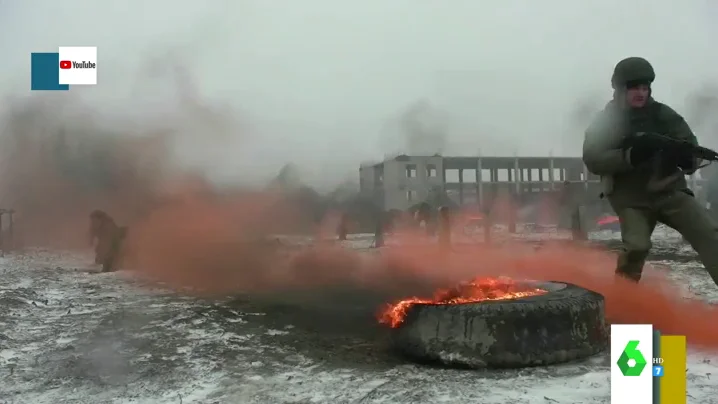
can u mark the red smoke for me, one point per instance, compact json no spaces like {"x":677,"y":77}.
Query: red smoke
{"x":185,"y":232}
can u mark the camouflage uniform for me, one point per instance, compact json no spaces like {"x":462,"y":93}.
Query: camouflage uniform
{"x":110,"y":239}
{"x":114,"y":254}
{"x":652,"y":192}
{"x":444,"y":227}
{"x":710,"y":174}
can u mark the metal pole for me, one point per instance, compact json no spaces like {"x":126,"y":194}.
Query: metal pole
{"x":585,"y":177}
{"x":577,"y":230}
{"x":514,"y":199}
{"x":342,"y":227}
{"x":517,"y":175}
{"x":379,"y":231}
{"x":480,"y":181}
{"x":444,"y":228}
{"x":551,"y":178}
{"x":2,"y":240}
{"x":11,"y":230}
{"x":487,"y":226}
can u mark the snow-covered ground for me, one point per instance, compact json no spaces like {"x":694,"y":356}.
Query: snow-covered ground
{"x":69,"y":336}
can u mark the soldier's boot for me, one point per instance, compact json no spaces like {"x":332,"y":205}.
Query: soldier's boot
{"x":683,"y":213}
{"x":637,"y":225}
{"x":98,"y":252}
{"x":107,"y":266}
{"x":102,"y":248}
{"x":630,"y":265}
{"x":111,"y":260}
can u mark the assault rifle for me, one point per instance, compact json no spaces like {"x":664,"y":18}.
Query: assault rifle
{"x":666,"y":170}
{"x":668,"y":143}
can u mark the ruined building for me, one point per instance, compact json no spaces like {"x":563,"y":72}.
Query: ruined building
{"x":403,"y":181}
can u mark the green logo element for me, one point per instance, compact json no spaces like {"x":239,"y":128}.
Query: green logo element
{"x":631,"y":361}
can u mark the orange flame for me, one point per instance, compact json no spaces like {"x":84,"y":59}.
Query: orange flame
{"x":478,"y":290}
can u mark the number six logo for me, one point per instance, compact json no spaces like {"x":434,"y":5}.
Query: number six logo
{"x":631,"y":361}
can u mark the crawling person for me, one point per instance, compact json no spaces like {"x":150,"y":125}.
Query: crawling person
{"x":108,"y":240}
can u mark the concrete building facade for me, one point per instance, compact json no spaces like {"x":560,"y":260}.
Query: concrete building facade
{"x":403,"y":181}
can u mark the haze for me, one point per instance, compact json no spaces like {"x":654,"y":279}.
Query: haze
{"x":324,"y":83}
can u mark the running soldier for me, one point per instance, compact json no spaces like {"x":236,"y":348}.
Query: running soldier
{"x":644,"y":182}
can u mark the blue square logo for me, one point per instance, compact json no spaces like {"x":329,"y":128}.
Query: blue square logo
{"x":658,"y":371}
{"x":45,"y":72}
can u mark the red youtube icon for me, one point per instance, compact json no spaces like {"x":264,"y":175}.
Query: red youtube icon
{"x":65,"y":64}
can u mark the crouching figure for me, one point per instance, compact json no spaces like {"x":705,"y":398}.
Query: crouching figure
{"x":108,"y":239}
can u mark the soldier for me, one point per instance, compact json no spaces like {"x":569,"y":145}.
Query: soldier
{"x":423,"y":215}
{"x":107,"y":238}
{"x":444,"y":227}
{"x":343,"y":226}
{"x":643,"y":183}
{"x":565,"y":201}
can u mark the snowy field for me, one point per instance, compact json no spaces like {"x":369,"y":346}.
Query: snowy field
{"x":68,"y":336}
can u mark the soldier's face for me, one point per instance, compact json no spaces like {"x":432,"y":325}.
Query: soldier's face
{"x":637,"y":96}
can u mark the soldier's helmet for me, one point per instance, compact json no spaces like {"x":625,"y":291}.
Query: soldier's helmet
{"x":633,"y":69}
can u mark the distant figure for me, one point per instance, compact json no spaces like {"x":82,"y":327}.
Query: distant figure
{"x":392,"y":219}
{"x":566,"y":205}
{"x":444,"y":227}
{"x":343,"y":226}
{"x":566,"y":193}
{"x":107,"y":238}
{"x":423,"y":215}
{"x":379,"y":229}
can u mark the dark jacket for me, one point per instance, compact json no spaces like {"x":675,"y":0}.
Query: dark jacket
{"x":627,"y":185}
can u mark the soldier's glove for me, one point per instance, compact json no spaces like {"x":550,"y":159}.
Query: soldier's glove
{"x":687,"y":162}
{"x":640,"y":149}
{"x":682,"y":158}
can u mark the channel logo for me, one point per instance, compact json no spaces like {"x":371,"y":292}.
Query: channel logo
{"x":631,"y":362}
{"x":631,"y":351}
{"x":66,"y":64}
{"x":646,"y":366}
{"x":69,"y":66}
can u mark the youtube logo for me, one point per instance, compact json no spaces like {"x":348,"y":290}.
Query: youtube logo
{"x":65,"y":64}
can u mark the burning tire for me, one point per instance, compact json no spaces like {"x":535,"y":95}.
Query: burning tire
{"x":556,"y":322}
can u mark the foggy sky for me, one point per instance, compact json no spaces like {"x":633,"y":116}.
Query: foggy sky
{"x":323,"y":83}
